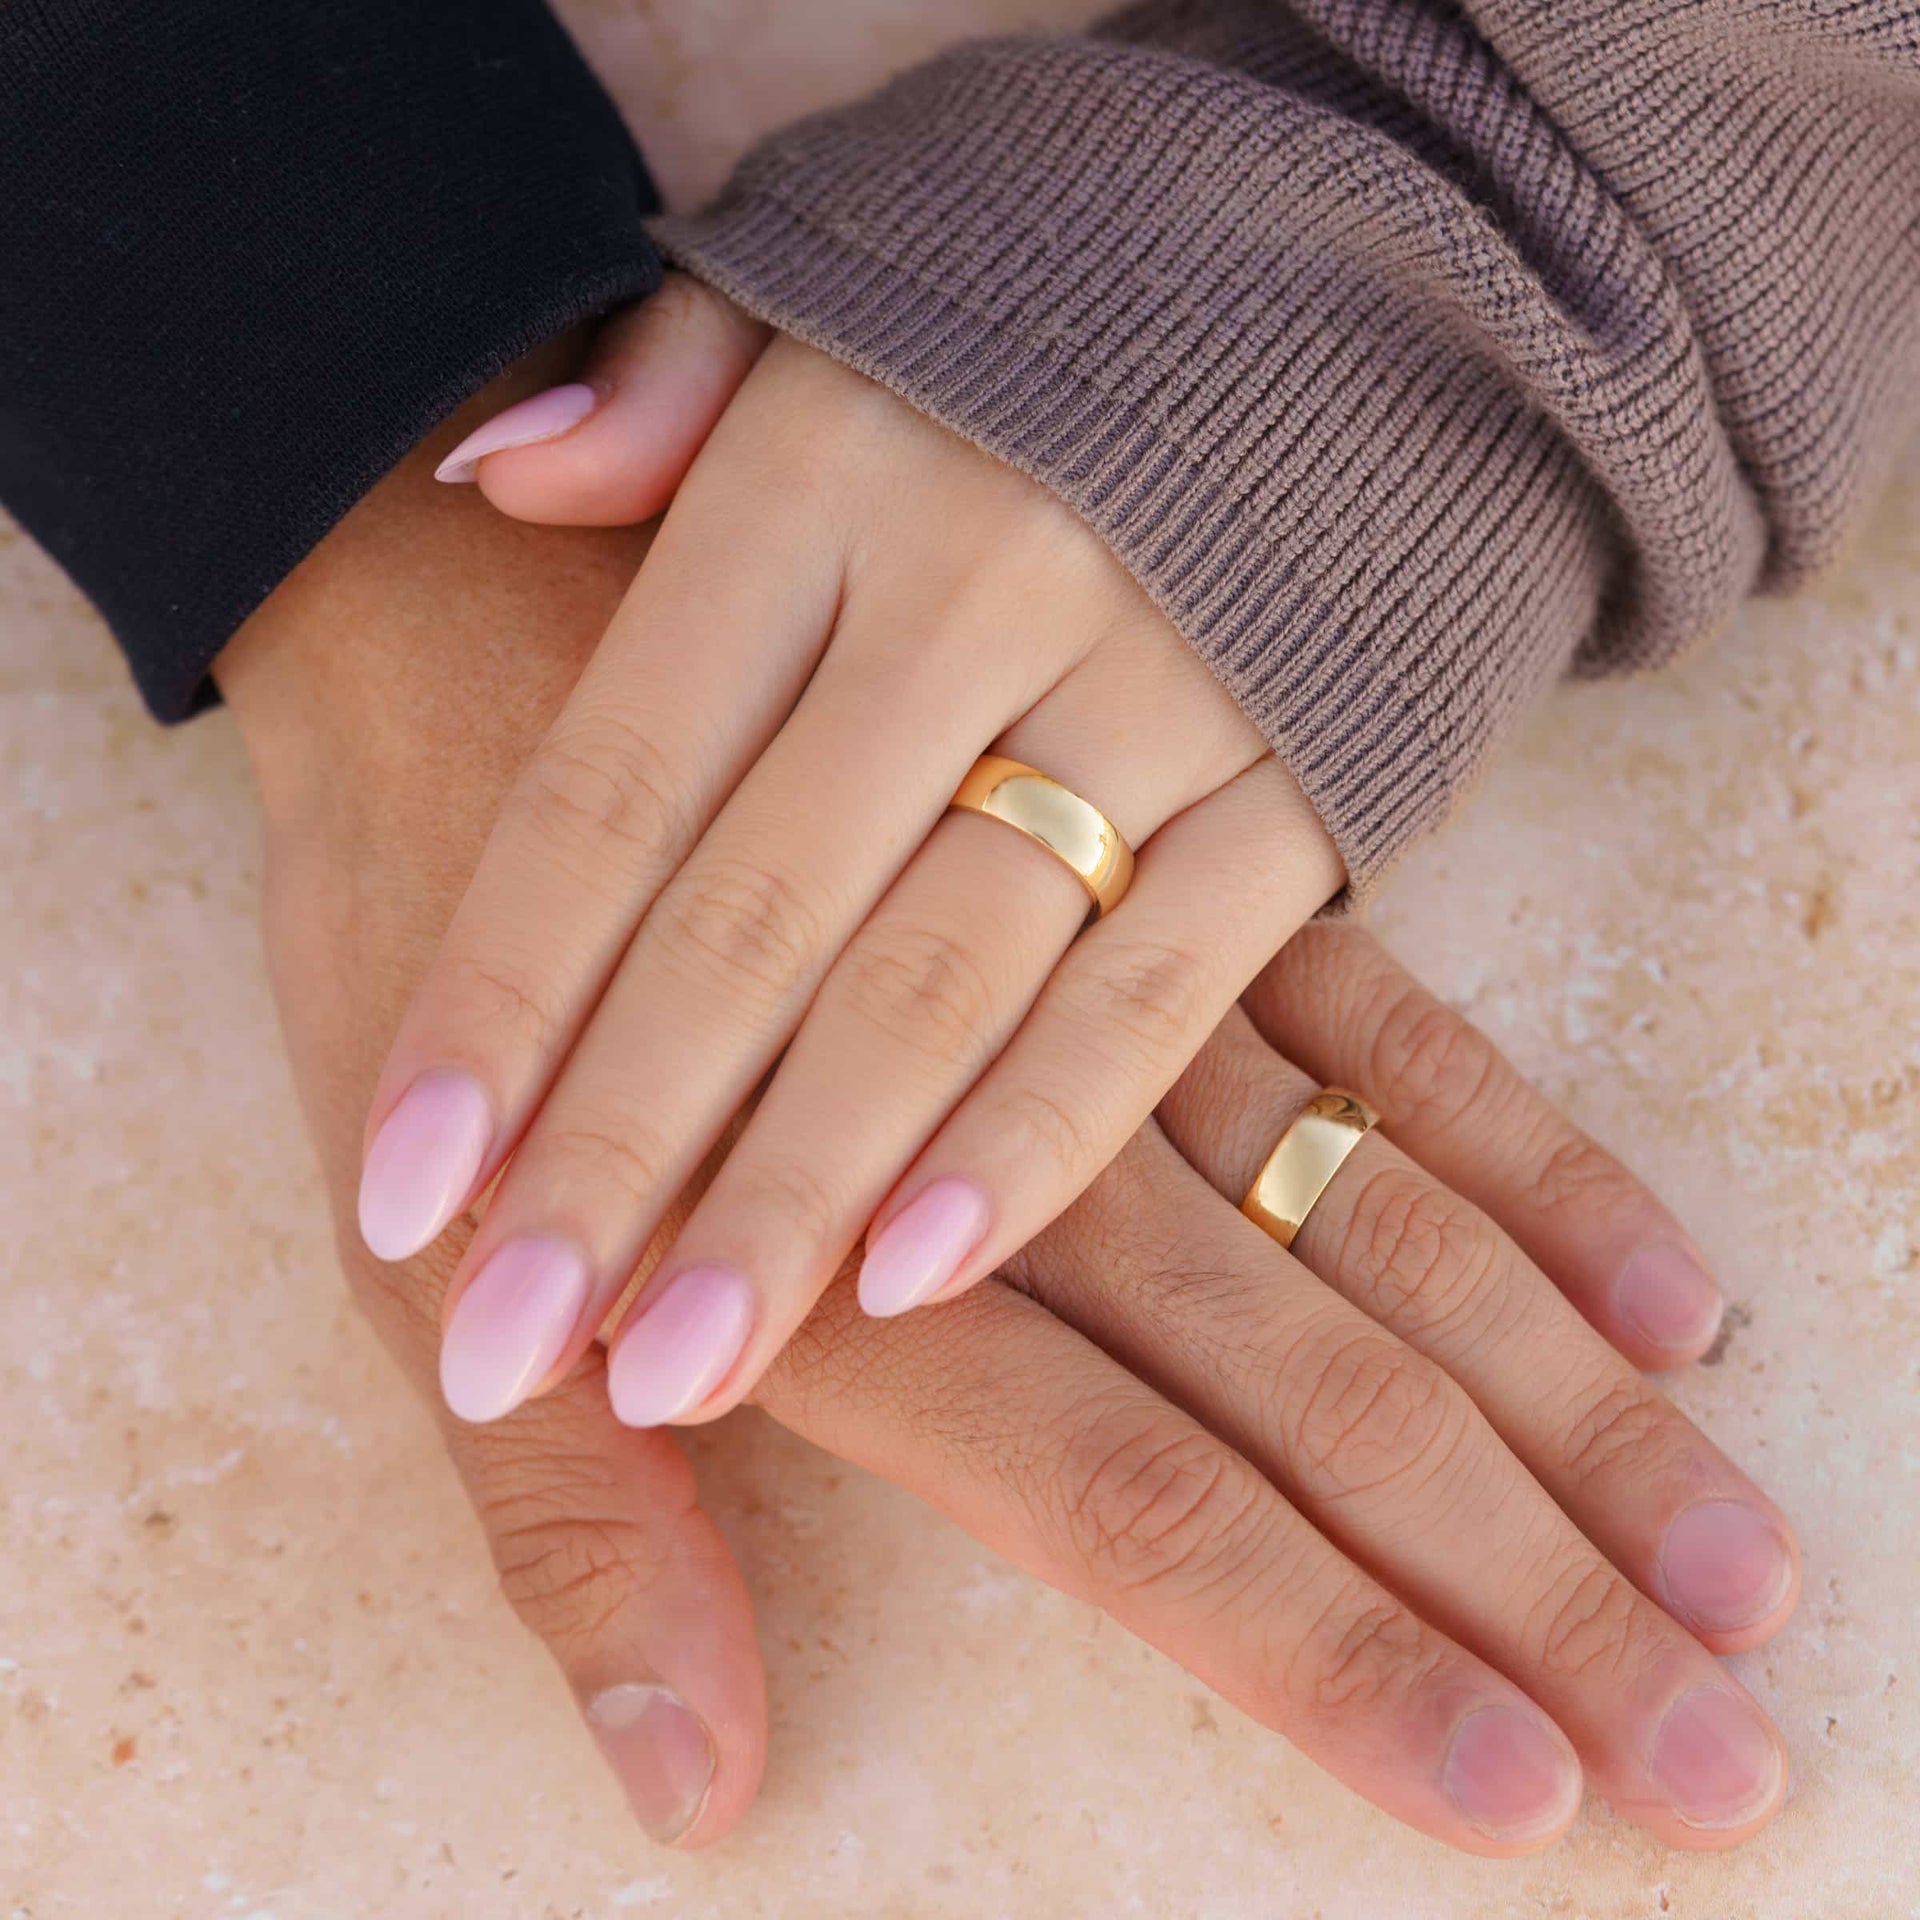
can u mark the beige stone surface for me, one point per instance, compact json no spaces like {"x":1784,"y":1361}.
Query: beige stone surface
{"x":251,"y":1663}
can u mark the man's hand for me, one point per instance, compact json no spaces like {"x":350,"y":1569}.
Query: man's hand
{"x":1211,"y":1439}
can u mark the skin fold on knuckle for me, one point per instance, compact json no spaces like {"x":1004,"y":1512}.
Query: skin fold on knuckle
{"x":1618,"y":1426}
{"x":800,"y":1203}
{"x":1328,"y":980}
{"x":1359,"y":1649}
{"x":1151,"y":1506}
{"x":599,"y":783}
{"x":1152,"y":996}
{"x":1232,"y":1101}
{"x":686,"y":313}
{"x":608,"y":1151}
{"x":753,"y":926}
{"x":924,"y":991}
{"x":500,"y":992}
{"x":1580,"y":1183}
{"x":1587,"y":1625}
{"x":1050,"y":1138}
{"x":1416,"y":1254}
{"x":570,"y":1579}
{"x":1375,"y":1418}
{"x":569,"y":1554}
{"x":1425,"y":1062}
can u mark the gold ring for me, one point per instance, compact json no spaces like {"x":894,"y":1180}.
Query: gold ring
{"x":1309,"y":1154}
{"x":1073,"y":830}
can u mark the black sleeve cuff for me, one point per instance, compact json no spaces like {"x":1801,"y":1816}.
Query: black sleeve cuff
{"x":253,"y":251}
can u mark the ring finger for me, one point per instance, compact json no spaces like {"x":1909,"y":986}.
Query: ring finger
{"x":923,"y":998}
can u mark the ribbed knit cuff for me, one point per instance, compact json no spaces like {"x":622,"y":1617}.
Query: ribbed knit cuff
{"x":253,"y":254}
{"x":1158,"y":290}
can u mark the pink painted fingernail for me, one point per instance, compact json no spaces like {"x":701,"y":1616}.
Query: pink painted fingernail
{"x":423,"y":1163}
{"x":546,"y":416}
{"x":511,"y":1325}
{"x":1715,"y":1759}
{"x":681,"y":1347}
{"x":922,"y":1247}
{"x":1668,"y":1298}
{"x":1511,"y":1774}
{"x":660,"y":1753}
{"x":1724,"y":1566}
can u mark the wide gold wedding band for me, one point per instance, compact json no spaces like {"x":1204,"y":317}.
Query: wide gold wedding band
{"x":1309,"y":1154}
{"x":1073,"y":830}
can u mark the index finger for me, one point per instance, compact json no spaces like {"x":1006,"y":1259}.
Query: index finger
{"x":695,"y":674}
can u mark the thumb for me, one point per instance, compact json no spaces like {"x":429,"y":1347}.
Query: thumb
{"x":606,"y":1555}
{"x":610,"y":448}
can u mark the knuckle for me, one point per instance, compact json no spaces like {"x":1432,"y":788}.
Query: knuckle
{"x":923,"y":989}
{"x":607,"y":1155}
{"x":1427,"y":1061}
{"x":1423,"y":1255}
{"x":1377,"y":1414}
{"x":499,"y":992}
{"x":1578,"y":1176}
{"x":1623,"y":1421}
{"x":810,"y":1211}
{"x":1585,"y":1625}
{"x":600,"y":780}
{"x":568,"y":1578}
{"x":1362,"y":1647}
{"x":568,"y":1549}
{"x":1054,"y":1132}
{"x":1151,"y":1507}
{"x":1146,"y":994}
{"x":755,"y":926}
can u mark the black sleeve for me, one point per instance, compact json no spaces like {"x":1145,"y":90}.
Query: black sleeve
{"x":251,"y":251}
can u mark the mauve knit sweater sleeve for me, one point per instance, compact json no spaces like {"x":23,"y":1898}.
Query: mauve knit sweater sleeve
{"x":1410,"y":353}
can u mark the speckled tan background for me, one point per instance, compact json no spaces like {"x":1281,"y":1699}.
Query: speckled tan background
{"x":251,"y":1665}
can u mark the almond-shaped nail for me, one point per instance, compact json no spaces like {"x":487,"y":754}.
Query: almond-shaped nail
{"x":423,"y":1163}
{"x":1511,"y":1775}
{"x":511,"y":1325}
{"x":1715,"y":1759}
{"x":546,"y":416}
{"x":681,"y":1346}
{"x":923,"y":1246}
{"x":659,"y":1751}
{"x":1668,"y":1299}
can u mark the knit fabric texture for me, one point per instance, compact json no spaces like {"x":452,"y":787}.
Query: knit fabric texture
{"x":1410,"y":353}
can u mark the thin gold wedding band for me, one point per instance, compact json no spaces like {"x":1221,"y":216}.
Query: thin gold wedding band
{"x":1073,"y":830}
{"x":1309,"y":1154}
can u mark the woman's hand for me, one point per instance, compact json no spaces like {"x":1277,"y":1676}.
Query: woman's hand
{"x":732,"y":859}
{"x":1384,"y":1508}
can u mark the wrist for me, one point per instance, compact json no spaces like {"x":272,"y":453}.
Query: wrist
{"x":414,"y":634}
